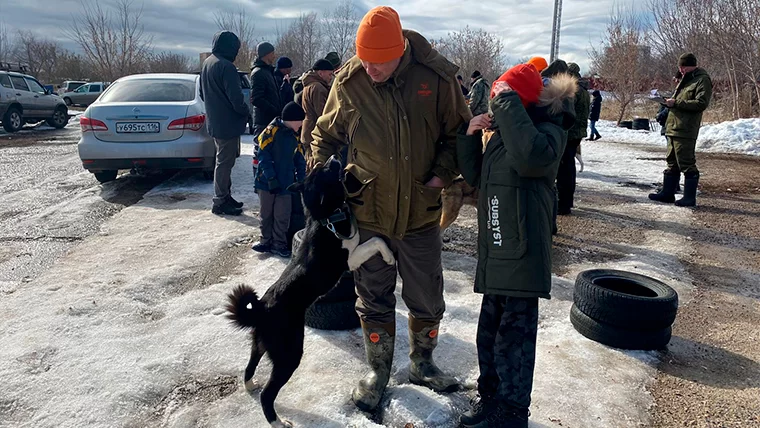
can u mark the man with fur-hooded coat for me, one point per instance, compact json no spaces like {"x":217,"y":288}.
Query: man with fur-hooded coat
{"x":516,"y":175}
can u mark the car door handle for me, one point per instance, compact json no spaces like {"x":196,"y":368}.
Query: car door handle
{"x":36,"y":96}
{"x":17,"y":94}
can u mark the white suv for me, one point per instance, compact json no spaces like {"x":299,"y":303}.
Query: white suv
{"x":24,"y":100}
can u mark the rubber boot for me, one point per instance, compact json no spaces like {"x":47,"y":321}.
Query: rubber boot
{"x":668,"y":192}
{"x":689,"y":192}
{"x":379,"y":341}
{"x":423,"y":338}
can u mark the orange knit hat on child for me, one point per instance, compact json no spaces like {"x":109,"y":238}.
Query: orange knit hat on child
{"x":379,"y":38}
{"x":525,"y":80}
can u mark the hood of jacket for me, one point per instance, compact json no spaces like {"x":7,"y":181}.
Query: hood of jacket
{"x":226,"y":45}
{"x":557,"y":102}
{"x":422,"y":52}
{"x":259,"y":63}
{"x":312,"y":77}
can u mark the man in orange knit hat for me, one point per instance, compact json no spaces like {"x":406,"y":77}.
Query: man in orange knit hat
{"x":538,"y":63}
{"x":397,"y":106}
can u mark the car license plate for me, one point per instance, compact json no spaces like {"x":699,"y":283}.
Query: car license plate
{"x":138,"y":127}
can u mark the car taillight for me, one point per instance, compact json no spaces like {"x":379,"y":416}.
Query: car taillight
{"x":193,"y":123}
{"x":88,"y":124}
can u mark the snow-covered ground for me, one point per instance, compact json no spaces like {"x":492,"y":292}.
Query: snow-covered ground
{"x":738,"y":136}
{"x":123,"y":331}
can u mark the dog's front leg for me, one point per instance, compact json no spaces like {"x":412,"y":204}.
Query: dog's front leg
{"x":365,"y":251}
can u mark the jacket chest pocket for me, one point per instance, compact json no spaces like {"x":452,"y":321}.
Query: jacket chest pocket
{"x":505,"y":229}
{"x":367,"y":135}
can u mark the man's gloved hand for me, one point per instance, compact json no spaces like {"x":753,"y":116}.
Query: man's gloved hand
{"x":274,"y":186}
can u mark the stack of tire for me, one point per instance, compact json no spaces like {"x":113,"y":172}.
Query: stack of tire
{"x":336,"y":309}
{"x":623,"y":310}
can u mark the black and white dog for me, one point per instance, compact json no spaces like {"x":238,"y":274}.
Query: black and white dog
{"x":330,"y":246}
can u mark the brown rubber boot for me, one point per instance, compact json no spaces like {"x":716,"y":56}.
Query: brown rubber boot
{"x":379,"y":341}
{"x":423,"y":338}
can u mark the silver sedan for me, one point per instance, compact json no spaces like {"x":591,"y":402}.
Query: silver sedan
{"x":147,"y":121}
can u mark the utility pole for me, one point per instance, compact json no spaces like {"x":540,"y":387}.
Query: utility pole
{"x":556,"y":24}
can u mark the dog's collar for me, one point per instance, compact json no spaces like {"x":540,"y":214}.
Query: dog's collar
{"x":341,"y":214}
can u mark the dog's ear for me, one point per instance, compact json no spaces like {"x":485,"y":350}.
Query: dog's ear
{"x":296,"y":187}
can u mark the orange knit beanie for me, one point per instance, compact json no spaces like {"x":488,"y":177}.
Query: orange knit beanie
{"x":538,"y":63}
{"x":525,"y":80}
{"x":379,"y":38}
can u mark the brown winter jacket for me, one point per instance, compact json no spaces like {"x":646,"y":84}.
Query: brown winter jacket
{"x":399,"y":134}
{"x":313,"y":101}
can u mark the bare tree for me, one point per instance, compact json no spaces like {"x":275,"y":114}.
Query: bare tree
{"x":169,"y":62}
{"x":38,"y":54}
{"x":112,"y":38}
{"x":242,"y":25}
{"x":5,"y":43}
{"x":474,"y":49}
{"x":302,"y":42}
{"x":339,"y":26}
{"x":623,"y":60}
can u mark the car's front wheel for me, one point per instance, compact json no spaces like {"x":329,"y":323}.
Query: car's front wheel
{"x":60,"y":118}
{"x":13,"y":120}
{"x":67,"y":101}
{"x":106,"y":176}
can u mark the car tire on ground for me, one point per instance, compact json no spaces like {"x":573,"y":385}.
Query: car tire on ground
{"x":332,"y":316}
{"x":13,"y":120}
{"x":336,"y":309}
{"x":67,"y":100}
{"x":60,"y":118}
{"x":625,"y":299}
{"x":106,"y":176}
{"x":618,"y":337}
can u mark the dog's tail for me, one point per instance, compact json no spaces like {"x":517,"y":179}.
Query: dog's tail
{"x":244,"y":307}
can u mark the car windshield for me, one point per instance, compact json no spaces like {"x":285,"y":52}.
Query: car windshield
{"x":149,"y":90}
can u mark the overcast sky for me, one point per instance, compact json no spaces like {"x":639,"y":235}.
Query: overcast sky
{"x":187,"y":26}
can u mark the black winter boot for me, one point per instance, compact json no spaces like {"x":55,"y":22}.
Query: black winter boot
{"x":480,"y":407}
{"x":689,"y":192}
{"x":503,"y":416}
{"x":668,"y":192}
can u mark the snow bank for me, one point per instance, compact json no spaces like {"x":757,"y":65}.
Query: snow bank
{"x":738,"y":136}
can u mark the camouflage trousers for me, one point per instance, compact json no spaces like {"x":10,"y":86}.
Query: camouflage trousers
{"x":506,"y":341}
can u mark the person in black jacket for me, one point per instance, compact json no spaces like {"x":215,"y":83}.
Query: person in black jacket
{"x":593,"y":117}
{"x":265,"y":95}
{"x":465,"y":91}
{"x":227,"y":115}
{"x":282,"y":80}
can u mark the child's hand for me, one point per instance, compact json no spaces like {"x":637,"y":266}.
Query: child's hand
{"x":274,"y":186}
{"x":479,"y":123}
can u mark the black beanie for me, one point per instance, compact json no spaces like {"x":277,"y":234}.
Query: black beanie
{"x":292,"y":112}
{"x":323,"y":65}
{"x":687,"y":60}
{"x":475,"y":74}
{"x":263,"y":49}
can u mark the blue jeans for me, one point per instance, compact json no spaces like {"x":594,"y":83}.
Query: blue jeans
{"x":593,"y":129}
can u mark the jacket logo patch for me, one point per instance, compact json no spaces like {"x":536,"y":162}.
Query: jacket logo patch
{"x":494,"y":224}
{"x":424,"y":90}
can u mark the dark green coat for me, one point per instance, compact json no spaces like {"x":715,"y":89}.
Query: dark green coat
{"x":582,"y":108}
{"x":692,"y":98}
{"x":516,"y":177}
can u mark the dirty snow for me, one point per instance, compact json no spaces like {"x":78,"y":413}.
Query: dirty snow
{"x":122,"y":331}
{"x":738,"y":136}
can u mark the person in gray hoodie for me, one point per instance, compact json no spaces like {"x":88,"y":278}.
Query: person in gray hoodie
{"x":226,"y":115}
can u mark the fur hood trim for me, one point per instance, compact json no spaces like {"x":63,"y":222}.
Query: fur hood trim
{"x":560,"y":88}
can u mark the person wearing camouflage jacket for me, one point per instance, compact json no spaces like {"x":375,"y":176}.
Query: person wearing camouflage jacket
{"x":682,"y":125}
{"x":566,"y":176}
{"x":478,"y":94}
{"x":397,"y":106}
